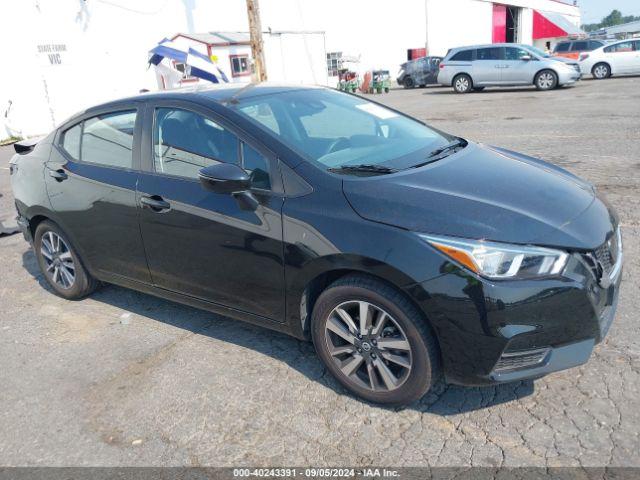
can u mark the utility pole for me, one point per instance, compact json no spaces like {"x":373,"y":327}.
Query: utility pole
{"x":255,"y":34}
{"x":426,"y":19}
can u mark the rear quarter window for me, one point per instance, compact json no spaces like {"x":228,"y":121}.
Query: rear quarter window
{"x":71,"y":141}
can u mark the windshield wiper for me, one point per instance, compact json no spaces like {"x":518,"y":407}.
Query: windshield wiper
{"x":363,"y":168}
{"x":442,"y":152}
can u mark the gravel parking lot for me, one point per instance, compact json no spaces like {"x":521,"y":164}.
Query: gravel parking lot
{"x":123,"y":378}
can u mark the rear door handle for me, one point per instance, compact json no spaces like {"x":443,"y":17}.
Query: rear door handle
{"x":155,"y":203}
{"x":59,"y":174}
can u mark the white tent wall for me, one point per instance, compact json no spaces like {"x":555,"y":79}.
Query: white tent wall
{"x":296,"y":57}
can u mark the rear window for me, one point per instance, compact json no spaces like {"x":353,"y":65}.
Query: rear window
{"x":463,"y":56}
{"x":562,"y":47}
{"x":492,"y":53}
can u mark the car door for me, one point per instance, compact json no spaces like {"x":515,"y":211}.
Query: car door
{"x":621,"y":56}
{"x":200,"y":243}
{"x":635,"y":66}
{"x":488,"y":66}
{"x":91,"y":181}
{"x":434,"y":67}
{"x":517,"y":71}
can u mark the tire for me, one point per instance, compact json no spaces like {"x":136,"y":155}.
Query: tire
{"x":546,"y":80}
{"x":414,"y":365}
{"x":409,"y":83}
{"x":462,"y":83}
{"x":601,"y":71}
{"x":386,"y":90}
{"x":60,"y":263}
{"x":478,"y":89}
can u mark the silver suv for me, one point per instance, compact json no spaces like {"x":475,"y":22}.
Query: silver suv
{"x":505,"y":64}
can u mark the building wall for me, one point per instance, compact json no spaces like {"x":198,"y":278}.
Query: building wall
{"x":456,"y":23}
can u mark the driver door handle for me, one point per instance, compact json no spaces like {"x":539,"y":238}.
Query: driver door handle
{"x":155,"y":203}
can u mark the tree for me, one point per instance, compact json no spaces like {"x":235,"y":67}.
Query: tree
{"x":614,"y":18}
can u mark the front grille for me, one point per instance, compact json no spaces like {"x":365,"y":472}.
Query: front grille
{"x":604,"y":259}
{"x":521,"y":359}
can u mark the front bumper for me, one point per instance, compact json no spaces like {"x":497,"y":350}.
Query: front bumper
{"x":570,"y":77}
{"x":495,"y":332}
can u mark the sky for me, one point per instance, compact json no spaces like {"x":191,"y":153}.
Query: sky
{"x":594,"y":10}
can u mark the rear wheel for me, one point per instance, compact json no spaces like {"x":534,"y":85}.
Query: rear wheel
{"x":374,"y":341}
{"x":60,"y":263}
{"x":409,"y":83}
{"x":600,"y":71}
{"x":546,"y":80}
{"x":462,"y":84}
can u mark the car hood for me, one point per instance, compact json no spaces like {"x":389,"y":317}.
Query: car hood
{"x":568,"y":61}
{"x":487,"y":193}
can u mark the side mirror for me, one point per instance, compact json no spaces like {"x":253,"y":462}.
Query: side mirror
{"x":224,"y":178}
{"x":526,"y":58}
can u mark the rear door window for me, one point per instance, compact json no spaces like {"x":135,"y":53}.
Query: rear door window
{"x":580,"y":46}
{"x":620,"y":47}
{"x":491,"y":53}
{"x":108,"y":139}
{"x":463,"y":56}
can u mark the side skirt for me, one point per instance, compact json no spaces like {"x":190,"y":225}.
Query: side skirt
{"x":195,"y":302}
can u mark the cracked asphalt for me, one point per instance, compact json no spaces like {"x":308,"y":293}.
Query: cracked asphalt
{"x":126,"y":379}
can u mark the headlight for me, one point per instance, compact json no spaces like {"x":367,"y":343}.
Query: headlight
{"x":500,"y":260}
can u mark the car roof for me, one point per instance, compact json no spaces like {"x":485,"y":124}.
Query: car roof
{"x":490,"y":45}
{"x":221,"y":93}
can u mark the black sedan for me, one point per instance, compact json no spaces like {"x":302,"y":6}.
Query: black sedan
{"x":402,"y":252}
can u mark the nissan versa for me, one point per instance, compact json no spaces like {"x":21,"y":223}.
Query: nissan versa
{"x":403,"y":252}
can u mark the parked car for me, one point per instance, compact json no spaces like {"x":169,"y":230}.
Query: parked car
{"x":573,"y":48}
{"x":402,"y":252}
{"x":469,"y":69}
{"x":419,"y":72}
{"x":619,"y":58}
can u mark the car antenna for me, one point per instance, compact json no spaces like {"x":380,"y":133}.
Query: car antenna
{"x":235,"y":96}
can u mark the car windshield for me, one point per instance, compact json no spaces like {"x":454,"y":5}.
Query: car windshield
{"x":537,"y":51}
{"x":336,"y":130}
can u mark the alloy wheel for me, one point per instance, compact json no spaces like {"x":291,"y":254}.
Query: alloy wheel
{"x":368,"y":345}
{"x":462,"y":84}
{"x":58,"y":260}
{"x":546,"y":80}
{"x":601,"y":71}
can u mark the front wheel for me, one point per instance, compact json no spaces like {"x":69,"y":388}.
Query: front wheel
{"x":462,"y":84}
{"x":374,"y":341}
{"x":60,"y":263}
{"x":546,"y":80}
{"x":601,"y":71}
